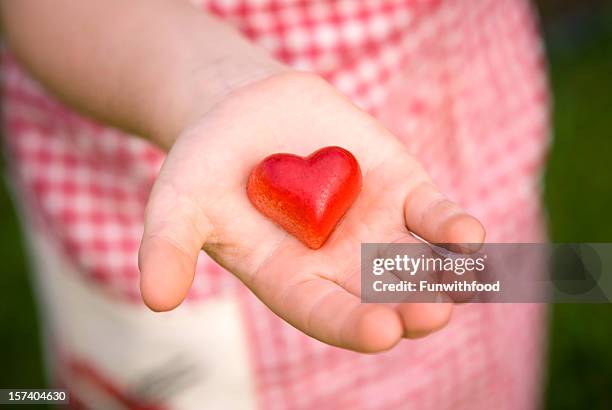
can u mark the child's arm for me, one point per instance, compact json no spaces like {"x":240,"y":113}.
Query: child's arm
{"x":165,"y":70}
{"x":146,"y":66}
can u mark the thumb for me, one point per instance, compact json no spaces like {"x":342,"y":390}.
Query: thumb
{"x":175,"y":230}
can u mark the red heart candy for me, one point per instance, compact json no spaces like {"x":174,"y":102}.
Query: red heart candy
{"x":306,"y":196}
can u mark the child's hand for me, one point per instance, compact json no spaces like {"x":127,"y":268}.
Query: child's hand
{"x":142,"y":77}
{"x":199,"y":201}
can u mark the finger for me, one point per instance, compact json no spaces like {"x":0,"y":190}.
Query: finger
{"x":422,"y":319}
{"x":433,"y":217}
{"x":174,"y":233}
{"x":418,"y":319}
{"x":324,"y":310}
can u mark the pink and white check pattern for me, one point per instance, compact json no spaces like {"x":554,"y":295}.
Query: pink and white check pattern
{"x":459,"y":81}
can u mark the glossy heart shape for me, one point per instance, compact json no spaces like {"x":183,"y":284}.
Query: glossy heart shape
{"x":306,"y":196}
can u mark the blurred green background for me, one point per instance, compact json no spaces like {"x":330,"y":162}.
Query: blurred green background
{"x":578,"y":191}
{"x":578,"y":196}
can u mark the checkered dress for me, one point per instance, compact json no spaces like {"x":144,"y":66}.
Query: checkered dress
{"x":460,"y":82}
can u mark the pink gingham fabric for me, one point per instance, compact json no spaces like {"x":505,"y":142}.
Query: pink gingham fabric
{"x":461,"y":82}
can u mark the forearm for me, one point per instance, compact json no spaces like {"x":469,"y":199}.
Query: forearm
{"x":146,"y":66}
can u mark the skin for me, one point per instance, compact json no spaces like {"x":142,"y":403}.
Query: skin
{"x":219,"y":108}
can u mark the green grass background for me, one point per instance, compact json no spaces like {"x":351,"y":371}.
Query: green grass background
{"x":578,"y":196}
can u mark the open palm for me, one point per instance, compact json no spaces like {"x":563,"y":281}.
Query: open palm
{"x":199,"y":201}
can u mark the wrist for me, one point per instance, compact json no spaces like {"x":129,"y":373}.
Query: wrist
{"x":203,"y":86}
